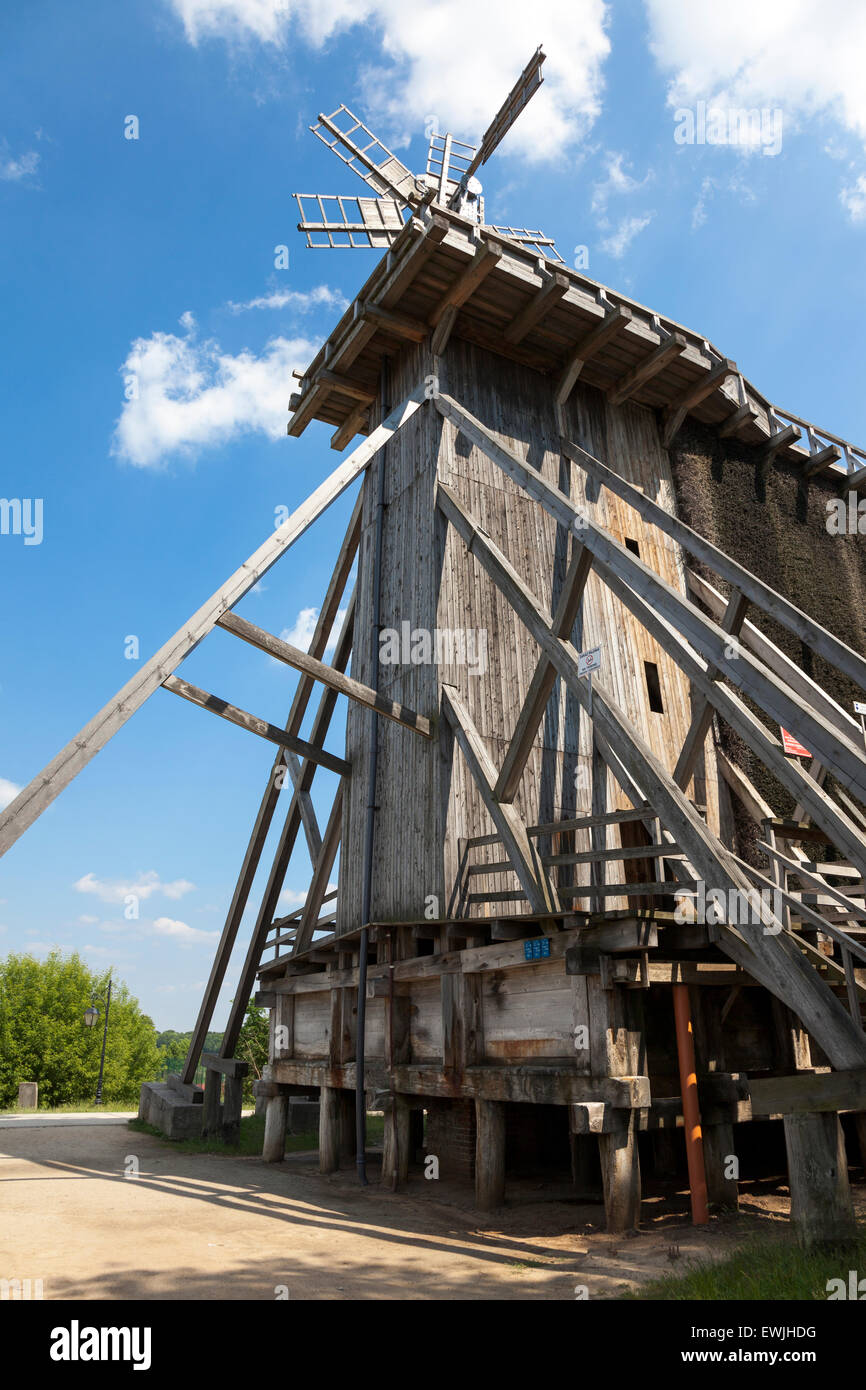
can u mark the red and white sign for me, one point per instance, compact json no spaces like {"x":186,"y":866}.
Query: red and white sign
{"x":792,"y":747}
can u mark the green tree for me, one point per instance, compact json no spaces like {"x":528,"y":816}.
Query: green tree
{"x":253,"y":1045}
{"x":43,"y":1037}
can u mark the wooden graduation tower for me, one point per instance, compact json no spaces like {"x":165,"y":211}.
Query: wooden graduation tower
{"x":518,"y":947}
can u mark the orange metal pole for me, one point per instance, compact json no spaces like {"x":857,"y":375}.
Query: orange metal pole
{"x":691,"y":1113}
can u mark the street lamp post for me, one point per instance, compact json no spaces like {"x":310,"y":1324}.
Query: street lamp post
{"x":91,"y":1015}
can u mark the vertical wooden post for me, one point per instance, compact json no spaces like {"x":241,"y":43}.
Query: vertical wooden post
{"x":719,"y":1149}
{"x":276,"y":1119}
{"x":821,"y":1208}
{"x":718,"y":1139}
{"x":348,"y":1138}
{"x":234,"y":1099}
{"x":329,"y":1129}
{"x":489,"y":1154}
{"x":616,"y":1047}
{"x":211,"y":1105}
{"x":395,"y":1153}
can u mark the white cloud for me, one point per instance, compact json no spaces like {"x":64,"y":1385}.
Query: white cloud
{"x":619,"y":240}
{"x":853,"y":200}
{"x":617,"y":181}
{"x":300,"y":634}
{"x":804,"y":56}
{"x":8,"y":792}
{"x":301,"y":300}
{"x":142,"y":886}
{"x":18,"y":170}
{"x":182,"y":933}
{"x":186,"y":396}
{"x":711,"y":186}
{"x":87,"y":920}
{"x":485,"y":50}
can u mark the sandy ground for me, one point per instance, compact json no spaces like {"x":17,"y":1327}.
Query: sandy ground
{"x":203,"y":1226}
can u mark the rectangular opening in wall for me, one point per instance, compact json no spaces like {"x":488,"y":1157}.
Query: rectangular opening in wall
{"x":633,"y":546}
{"x":653,"y":686}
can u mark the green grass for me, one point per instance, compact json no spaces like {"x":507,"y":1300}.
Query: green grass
{"x":81,"y":1107}
{"x":252,"y":1138}
{"x":763,"y":1268}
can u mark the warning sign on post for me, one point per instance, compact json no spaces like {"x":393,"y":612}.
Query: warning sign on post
{"x":588,"y":661}
{"x":792,"y":747}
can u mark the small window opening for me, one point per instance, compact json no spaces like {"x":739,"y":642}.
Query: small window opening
{"x":653,"y":685}
{"x":633,"y":546}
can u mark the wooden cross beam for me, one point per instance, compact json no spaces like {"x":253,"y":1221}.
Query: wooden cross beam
{"x":485,"y":259}
{"x":838,"y":752}
{"x":677,"y":411}
{"x":321,"y":874}
{"x":812,"y":633}
{"x":543,"y":678}
{"x":771,"y":958}
{"x":270,"y":796}
{"x":41,"y":791}
{"x":781,"y":439}
{"x":553,"y":289}
{"x":702,"y":714}
{"x":244,"y":720}
{"x":744,"y":414}
{"x":614,"y":321}
{"x":521,"y":852}
{"x":320,"y":671}
{"x":821,"y":460}
{"x":672,"y":347}
{"x":775,"y":658}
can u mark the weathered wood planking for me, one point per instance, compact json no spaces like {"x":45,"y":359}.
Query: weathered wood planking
{"x":430,"y":582}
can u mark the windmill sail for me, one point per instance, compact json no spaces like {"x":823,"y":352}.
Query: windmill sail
{"x":535,"y":240}
{"x":365,"y":154}
{"x":523,"y":90}
{"x":349,"y":222}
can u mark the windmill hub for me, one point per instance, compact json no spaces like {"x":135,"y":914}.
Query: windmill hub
{"x":449,"y":176}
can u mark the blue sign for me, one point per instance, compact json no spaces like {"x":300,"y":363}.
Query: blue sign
{"x":537,"y":949}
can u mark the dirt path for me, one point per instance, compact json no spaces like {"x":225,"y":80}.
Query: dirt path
{"x":203,"y":1226}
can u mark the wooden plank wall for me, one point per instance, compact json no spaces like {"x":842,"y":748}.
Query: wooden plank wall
{"x":426,"y":799}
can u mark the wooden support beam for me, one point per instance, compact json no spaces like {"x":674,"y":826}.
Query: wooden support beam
{"x":781,"y":439}
{"x":355,"y":423}
{"x":285,"y":846}
{"x":251,"y":722}
{"x":553,"y":289}
{"x":321,"y":874}
{"x":489,"y":1154}
{"x":702,"y":712}
{"x":821,"y":1210}
{"x":276,"y":1120}
{"x":774,"y":604}
{"x":744,"y":414}
{"x":320,"y":671}
{"x":793,"y":675}
{"x":821,"y":460}
{"x":677,"y":411}
{"x":442,"y":331}
{"x":615,"y":563}
{"x":486,"y":258}
{"x":516,"y":842}
{"x":395,"y":1149}
{"x":330,"y":1129}
{"x":771,"y":957}
{"x":400,"y":325}
{"x":345,"y":385}
{"x":543,"y":679}
{"x":232,"y":1107}
{"x":41,"y":791}
{"x":808,"y":1093}
{"x":591,"y":343}
{"x":211,"y":1105}
{"x":270,"y":796}
{"x":638,"y":376}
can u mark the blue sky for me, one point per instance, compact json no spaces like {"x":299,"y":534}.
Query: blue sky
{"x":155,"y":257}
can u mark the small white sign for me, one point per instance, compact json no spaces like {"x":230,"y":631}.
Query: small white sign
{"x":859,"y":707}
{"x":588,"y":661}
